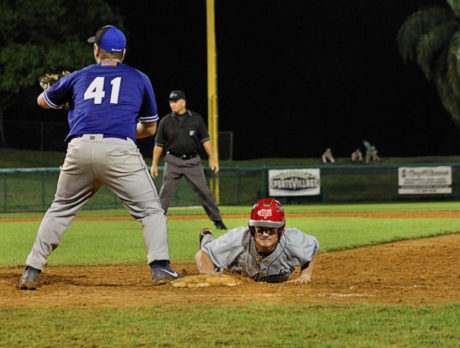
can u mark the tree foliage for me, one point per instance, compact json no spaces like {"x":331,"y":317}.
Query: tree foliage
{"x":45,"y":36}
{"x":431,"y":37}
{"x":39,"y":36}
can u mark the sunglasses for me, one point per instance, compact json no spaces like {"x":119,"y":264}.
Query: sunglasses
{"x":267,"y":230}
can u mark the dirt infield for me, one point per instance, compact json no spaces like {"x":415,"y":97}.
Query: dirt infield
{"x":424,"y":271}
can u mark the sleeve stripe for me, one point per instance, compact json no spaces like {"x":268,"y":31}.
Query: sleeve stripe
{"x":206,"y":139}
{"x":49,"y":102}
{"x":147,"y":119}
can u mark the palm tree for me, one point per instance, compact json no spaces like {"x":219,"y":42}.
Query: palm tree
{"x":431,"y":36}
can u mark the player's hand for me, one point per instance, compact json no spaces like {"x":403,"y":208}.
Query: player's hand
{"x":154,"y":171}
{"x":299,"y":280}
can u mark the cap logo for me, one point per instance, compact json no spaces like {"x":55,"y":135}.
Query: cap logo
{"x":265,"y":213}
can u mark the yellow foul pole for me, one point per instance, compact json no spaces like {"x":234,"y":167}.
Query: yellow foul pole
{"x":212,"y":90}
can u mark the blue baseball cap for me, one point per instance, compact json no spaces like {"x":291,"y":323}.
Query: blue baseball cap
{"x":109,"y":38}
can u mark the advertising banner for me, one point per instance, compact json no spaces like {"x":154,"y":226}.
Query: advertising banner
{"x":294,"y":182}
{"x":424,"y":180}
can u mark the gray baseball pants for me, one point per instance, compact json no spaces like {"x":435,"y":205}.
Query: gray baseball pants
{"x":92,"y":161}
{"x":191,"y":169}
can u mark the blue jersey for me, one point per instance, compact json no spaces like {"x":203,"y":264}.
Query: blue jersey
{"x":108,"y":98}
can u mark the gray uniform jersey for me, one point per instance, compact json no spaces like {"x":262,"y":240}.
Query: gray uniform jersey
{"x":235,"y":251}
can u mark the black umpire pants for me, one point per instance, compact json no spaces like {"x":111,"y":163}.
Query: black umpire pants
{"x":192,"y":170}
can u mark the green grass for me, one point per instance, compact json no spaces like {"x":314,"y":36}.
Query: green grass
{"x":289,"y":209}
{"x":13,"y":158}
{"x":115,"y":242}
{"x":255,"y":325}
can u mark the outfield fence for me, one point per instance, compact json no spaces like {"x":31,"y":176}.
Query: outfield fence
{"x":32,"y":189}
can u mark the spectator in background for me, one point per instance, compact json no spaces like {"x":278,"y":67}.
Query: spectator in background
{"x":371,"y":152}
{"x":327,"y":156}
{"x":357,"y":156}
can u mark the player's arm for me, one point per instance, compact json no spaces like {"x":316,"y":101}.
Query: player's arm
{"x":305,"y":273}
{"x":204,"y":263}
{"x":212,"y":160}
{"x":41,"y":101}
{"x":144,"y":130}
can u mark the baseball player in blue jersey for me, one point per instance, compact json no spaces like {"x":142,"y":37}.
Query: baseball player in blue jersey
{"x":264,"y":251}
{"x":110,"y":105}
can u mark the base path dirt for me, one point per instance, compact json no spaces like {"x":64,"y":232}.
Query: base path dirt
{"x":423,"y":271}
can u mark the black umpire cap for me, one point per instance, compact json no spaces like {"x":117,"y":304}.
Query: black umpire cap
{"x":176,"y":95}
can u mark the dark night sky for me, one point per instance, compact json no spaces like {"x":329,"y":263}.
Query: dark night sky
{"x":294,"y":76}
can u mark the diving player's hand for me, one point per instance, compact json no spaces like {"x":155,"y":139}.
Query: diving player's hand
{"x":300,"y":280}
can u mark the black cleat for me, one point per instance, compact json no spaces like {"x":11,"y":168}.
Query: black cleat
{"x":204,"y":231}
{"x":162,"y":272}
{"x":220,"y":225}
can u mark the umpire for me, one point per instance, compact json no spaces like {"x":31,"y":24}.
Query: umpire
{"x":181,"y":133}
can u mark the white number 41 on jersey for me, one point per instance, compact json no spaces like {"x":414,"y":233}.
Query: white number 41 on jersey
{"x":96,"y":91}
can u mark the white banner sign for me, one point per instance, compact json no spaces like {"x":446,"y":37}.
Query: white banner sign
{"x":424,"y":180}
{"x":294,"y":182}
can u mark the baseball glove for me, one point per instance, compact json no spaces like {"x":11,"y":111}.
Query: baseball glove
{"x":50,"y":79}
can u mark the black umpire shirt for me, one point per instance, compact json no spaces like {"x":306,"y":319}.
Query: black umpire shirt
{"x":182,"y":134}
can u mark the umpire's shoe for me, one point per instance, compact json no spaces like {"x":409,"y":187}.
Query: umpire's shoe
{"x":203,"y":232}
{"x":220,"y":225}
{"x":29,"y":279}
{"x":162,"y":272}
